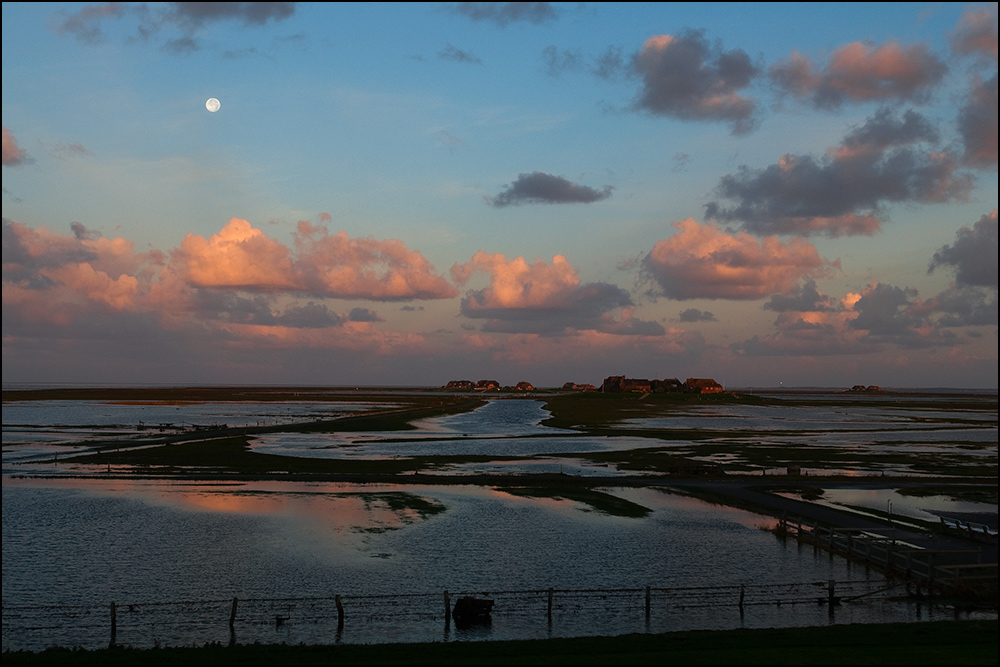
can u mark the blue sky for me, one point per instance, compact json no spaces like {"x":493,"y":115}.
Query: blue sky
{"x":412,"y":193}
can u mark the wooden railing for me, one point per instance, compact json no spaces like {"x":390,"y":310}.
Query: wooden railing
{"x":935,"y":569}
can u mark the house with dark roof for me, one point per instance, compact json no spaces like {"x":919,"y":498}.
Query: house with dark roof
{"x":460,"y":385}
{"x":702,"y":386}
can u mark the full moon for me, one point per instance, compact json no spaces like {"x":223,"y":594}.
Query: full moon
{"x":212,"y":104}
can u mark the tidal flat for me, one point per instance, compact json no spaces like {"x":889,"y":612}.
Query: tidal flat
{"x":158,"y":496}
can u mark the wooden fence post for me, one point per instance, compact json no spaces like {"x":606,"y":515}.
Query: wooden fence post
{"x":114,"y":625}
{"x":340,"y":611}
{"x":647,"y":602}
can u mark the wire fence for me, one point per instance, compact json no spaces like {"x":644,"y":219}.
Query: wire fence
{"x":426,"y":616}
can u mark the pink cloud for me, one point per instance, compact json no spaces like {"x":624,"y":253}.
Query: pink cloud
{"x":239,"y":256}
{"x":240,"y":280}
{"x":538,"y":297}
{"x":13,"y":155}
{"x":703,"y":262}
{"x":385,"y":270}
{"x":55,"y":278}
{"x":517,"y":284}
{"x":976,"y":32}
{"x":861,"y":73}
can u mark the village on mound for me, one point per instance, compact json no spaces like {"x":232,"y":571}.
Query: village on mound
{"x":615,"y":384}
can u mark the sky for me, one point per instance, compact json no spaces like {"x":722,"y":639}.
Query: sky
{"x":407,"y":194}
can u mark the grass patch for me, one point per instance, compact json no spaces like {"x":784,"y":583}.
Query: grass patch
{"x":598,"y":501}
{"x":233,"y":455}
{"x":939,"y":642}
{"x":595,"y":410}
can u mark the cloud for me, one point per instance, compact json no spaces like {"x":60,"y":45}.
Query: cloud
{"x":248,"y":13}
{"x":185,"y":17}
{"x":963,"y":307}
{"x":54,"y":278}
{"x":864,"y":322}
{"x":310,"y":315}
{"x":681,"y":162}
{"x":381,"y":270}
{"x":883,"y":311}
{"x":62,"y":151}
{"x":363,"y":315}
{"x":609,"y":65}
{"x":181,"y":46}
{"x":843,"y":192}
{"x":973,"y":255}
{"x":541,"y":188}
{"x":458,"y":55}
{"x":231,"y":308}
{"x":13,"y":154}
{"x":977,"y":123}
{"x":240,"y":257}
{"x":695,"y":315}
{"x":85,"y":24}
{"x":976,"y":32}
{"x":804,"y":298}
{"x":860,"y":73}
{"x":886,"y":129}
{"x":102,"y":288}
{"x":684,"y":77}
{"x":540,"y":297}
{"x":557,"y":62}
{"x":703,"y":262}
{"x":243,"y":258}
{"x":504,"y":13}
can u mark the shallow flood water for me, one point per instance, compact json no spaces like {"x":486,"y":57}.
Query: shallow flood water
{"x":172,"y":555}
{"x":88,"y":543}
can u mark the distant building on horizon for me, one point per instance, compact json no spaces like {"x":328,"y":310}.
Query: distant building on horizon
{"x":460,"y":385}
{"x":579,"y":387}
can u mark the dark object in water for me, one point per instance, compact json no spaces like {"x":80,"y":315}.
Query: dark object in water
{"x":470,"y":611}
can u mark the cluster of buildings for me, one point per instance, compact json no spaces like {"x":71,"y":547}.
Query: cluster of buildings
{"x":486,"y":385}
{"x":616,"y":384}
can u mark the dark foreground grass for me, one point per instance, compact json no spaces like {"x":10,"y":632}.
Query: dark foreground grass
{"x":942,"y":642}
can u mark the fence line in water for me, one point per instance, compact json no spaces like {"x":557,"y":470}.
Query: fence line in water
{"x":207,"y":621}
